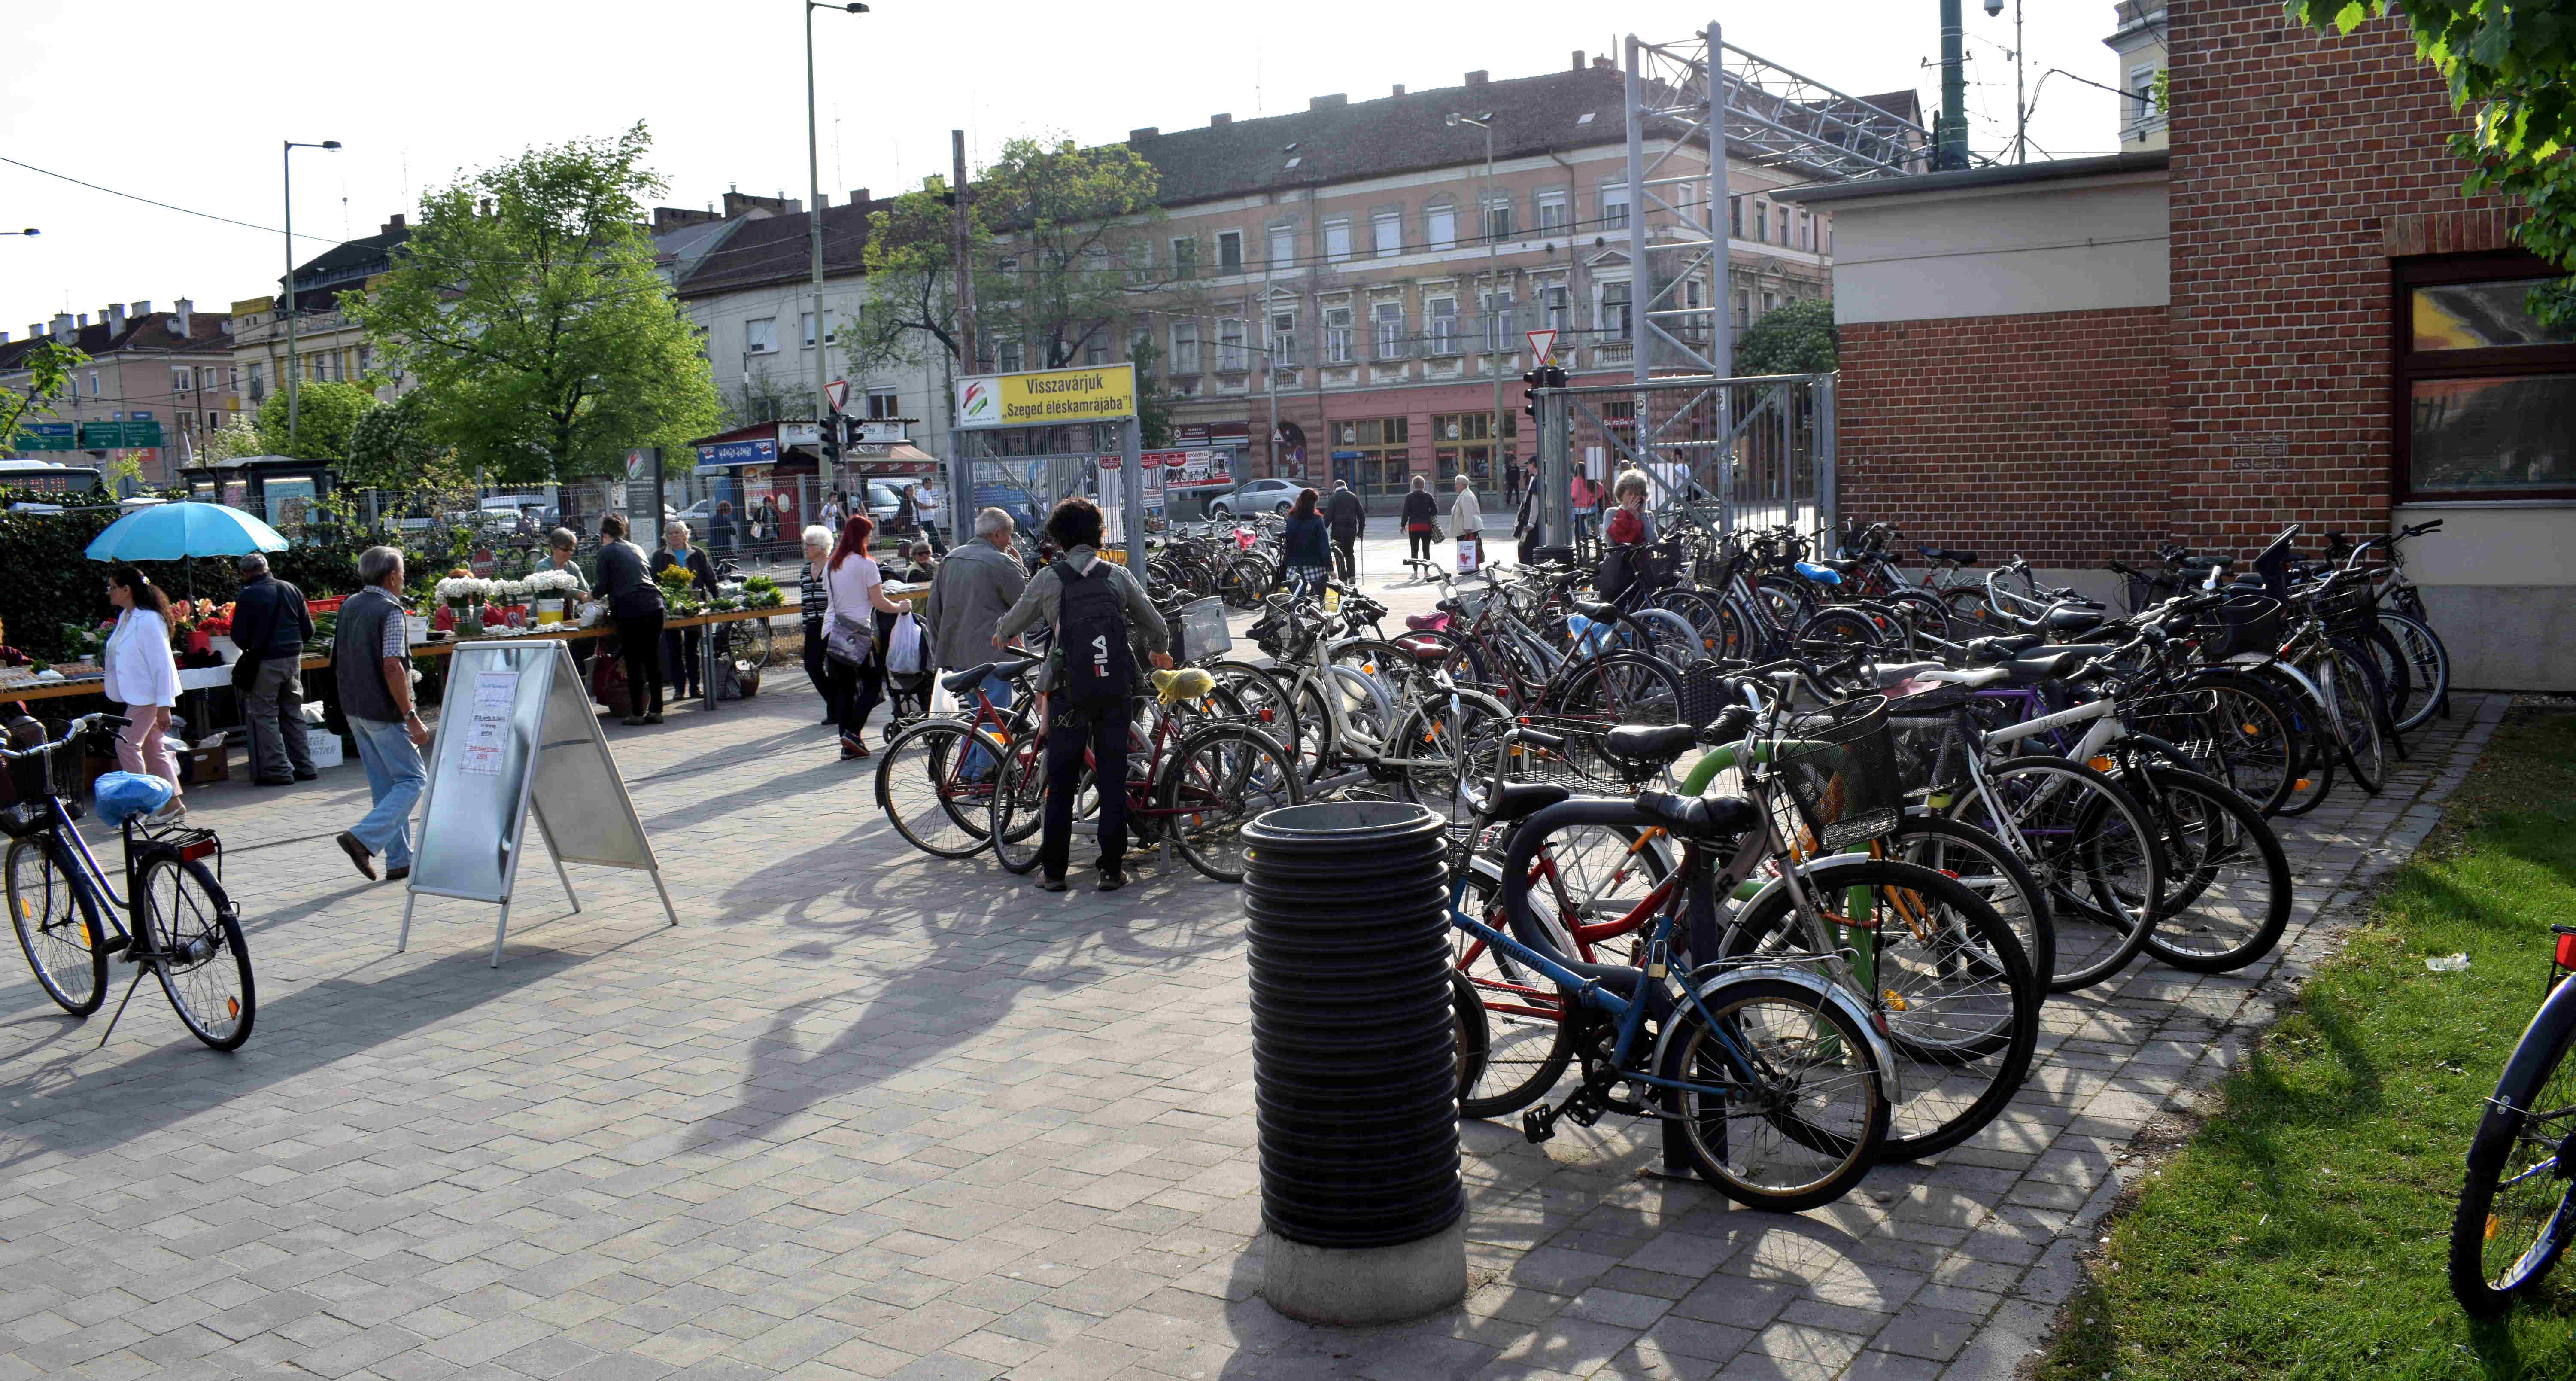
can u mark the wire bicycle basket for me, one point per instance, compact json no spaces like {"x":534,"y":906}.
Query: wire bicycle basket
{"x":1584,"y":765}
{"x":1837,"y":767}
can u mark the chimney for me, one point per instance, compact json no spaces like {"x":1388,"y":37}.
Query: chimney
{"x":1220,"y":118}
{"x":483,"y":206}
{"x":35,"y":330}
{"x":1338,"y":98}
{"x":186,"y":322}
{"x":1399,"y":88}
{"x":81,"y":321}
{"x":1139,"y":136}
{"x":142,"y":308}
{"x":1476,"y":78}
{"x":392,"y":224}
{"x":113,"y":317}
{"x":858,"y":196}
{"x":1602,"y":62}
{"x":4,"y":338}
{"x":1578,"y":59}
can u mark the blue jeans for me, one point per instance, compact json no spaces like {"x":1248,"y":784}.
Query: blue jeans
{"x":394,"y":779}
{"x":998,"y":690}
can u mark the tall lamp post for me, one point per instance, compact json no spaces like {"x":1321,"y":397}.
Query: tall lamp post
{"x":286,"y":163}
{"x":1494,"y":285}
{"x":814,"y":189}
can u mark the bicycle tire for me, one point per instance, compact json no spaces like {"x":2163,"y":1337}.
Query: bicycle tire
{"x":2353,"y":714}
{"x":1444,"y":756}
{"x":196,"y":948}
{"x":1927,"y":614}
{"x":2069,"y":845}
{"x":1229,"y":773}
{"x":1842,"y":627}
{"x":2429,"y":685}
{"x":1263,"y":697}
{"x":57,"y":924}
{"x":1472,"y":1038}
{"x":1956,"y":991}
{"x":1844,"y":1129}
{"x":1991,"y":870}
{"x":1529,"y":1039}
{"x":1620,"y":688}
{"x":2513,"y":1158}
{"x":1018,"y":807}
{"x":928,"y":795}
{"x":2253,"y":735}
{"x":2317,"y":753}
{"x":2203,"y":828}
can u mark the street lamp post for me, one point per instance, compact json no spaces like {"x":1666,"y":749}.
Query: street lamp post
{"x":286,"y":163}
{"x":1493,"y":286}
{"x":814,"y":189}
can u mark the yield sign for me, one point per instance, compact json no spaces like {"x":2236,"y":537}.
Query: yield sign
{"x":1541,"y":342}
{"x":837,"y":393}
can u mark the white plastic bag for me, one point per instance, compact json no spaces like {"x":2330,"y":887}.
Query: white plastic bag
{"x":905,"y":654}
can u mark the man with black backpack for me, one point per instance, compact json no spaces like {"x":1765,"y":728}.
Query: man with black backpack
{"x":1100,"y":615}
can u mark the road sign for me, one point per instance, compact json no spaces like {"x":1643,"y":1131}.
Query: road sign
{"x":109,"y":436}
{"x":837,"y":393}
{"x":1541,"y":342}
{"x":46,"y":436}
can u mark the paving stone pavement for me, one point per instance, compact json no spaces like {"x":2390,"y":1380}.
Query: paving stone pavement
{"x":870,"y":1114}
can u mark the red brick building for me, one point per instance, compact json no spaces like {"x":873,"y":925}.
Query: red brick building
{"x":2291,"y":316}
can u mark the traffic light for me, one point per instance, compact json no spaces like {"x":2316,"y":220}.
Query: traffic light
{"x":832,"y":439}
{"x":1545,"y":376}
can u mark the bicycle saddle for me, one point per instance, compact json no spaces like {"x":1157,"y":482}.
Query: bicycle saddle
{"x":1543,"y":555}
{"x":1972,"y":680}
{"x":1898,"y":673}
{"x":1650,"y":745}
{"x":960,"y":682}
{"x":1594,"y":612}
{"x":2069,"y":622}
{"x":1430,"y":651}
{"x":1964,"y":558}
{"x":1699,"y":817}
{"x":1521,"y":800}
{"x":2056,"y":666}
{"x":2001,"y":647}
{"x":1182,"y":683}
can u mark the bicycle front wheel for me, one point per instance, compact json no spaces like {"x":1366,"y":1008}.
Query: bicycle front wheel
{"x":2428,"y":683}
{"x":2353,"y":716}
{"x":2515,"y":1209}
{"x":1222,"y":777}
{"x":57,"y":925}
{"x":1018,"y":808}
{"x":1782,"y":1106}
{"x":2092,"y":849}
{"x":198,"y":952}
{"x":1529,"y":1033}
{"x":935,"y":783}
{"x":1444,"y":751}
{"x":2227,"y":882}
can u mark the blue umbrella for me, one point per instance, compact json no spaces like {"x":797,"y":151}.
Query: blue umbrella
{"x":170,"y":531}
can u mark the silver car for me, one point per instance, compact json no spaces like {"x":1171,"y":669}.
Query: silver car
{"x":1256,"y":496}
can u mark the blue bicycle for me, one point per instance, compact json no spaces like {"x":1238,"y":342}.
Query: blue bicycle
{"x":184,"y":932}
{"x":1774,"y":1081}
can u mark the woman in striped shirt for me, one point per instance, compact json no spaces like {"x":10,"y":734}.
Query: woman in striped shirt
{"x":813,"y":598}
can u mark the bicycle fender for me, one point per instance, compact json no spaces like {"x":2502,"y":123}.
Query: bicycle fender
{"x":1370,"y":690}
{"x":1833,"y":993}
{"x":1517,"y":916}
{"x":2538,"y":1047}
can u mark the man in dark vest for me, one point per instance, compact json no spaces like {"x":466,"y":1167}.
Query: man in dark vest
{"x":372,"y":663}
{"x":271,"y":623}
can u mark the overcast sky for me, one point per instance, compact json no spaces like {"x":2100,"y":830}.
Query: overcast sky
{"x":186,"y":102}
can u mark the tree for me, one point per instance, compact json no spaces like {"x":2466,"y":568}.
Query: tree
{"x":393,"y":447}
{"x":233,"y":440}
{"x":1059,"y":236}
{"x":1793,"y":338}
{"x":527,"y":306}
{"x":2511,"y":66}
{"x":49,"y":365}
{"x":324,"y":414}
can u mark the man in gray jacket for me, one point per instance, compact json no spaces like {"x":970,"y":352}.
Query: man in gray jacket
{"x":975,"y":586}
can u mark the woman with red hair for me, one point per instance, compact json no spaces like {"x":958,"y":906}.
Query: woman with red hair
{"x":853,"y":594}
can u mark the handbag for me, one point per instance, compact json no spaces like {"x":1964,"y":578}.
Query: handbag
{"x":245,"y":673}
{"x":850,"y":642}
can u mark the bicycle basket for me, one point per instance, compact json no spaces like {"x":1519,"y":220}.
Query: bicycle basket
{"x":2349,"y":609}
{"x":2244,"y":623}
{"x":1474,"y":603}
{"x":1704,"y":693}
{"x":1838,"y":767}
{"x":1583,"y":765}
{"x":1203,"y":629}
{"x":30,"y":782}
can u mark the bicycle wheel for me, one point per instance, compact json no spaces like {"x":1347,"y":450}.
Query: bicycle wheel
{"x":1622,"y":688}
{"x":1702,"y":611}
{"x":2428,"y":684}
{"x":2353,"y":717}
{"x":57,"y":925}
{"x":2253,"y":735}
{"x":2092,"y":849}
{"x":1223,"y":776}
{"x":1443,"y":752}
{"x":1839,"y":627}
{"x":935,"y":784}
{"x":1262,"y":694}
{"x":1018,"y":808}
{"x":2317,"y":753}
{"x":1529,"y":1039}
{"x":197,"y":950}
{"x":2517,"y":1205}
{"x":1927,"y":615}
{"x":1983,"y":864}
{"x":1472,"y":1037}
{"x":1941,"y":969}
{"x":1783,"y":1107}
{"x":1244,"y":582}
{"x":1969,"y":615}
{"x":2227,"y":882}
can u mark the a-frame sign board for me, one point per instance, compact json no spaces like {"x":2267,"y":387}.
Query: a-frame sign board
{"x":517,"y":738}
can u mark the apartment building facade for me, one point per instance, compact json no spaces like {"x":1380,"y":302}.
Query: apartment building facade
{"x":173,"y":370}
{"x":328,"y":346}
{"x":2138,"y":48}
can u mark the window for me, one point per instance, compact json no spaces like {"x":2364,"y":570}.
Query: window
{"x":1498,"y":219}
{"x":1386,"y":330}
{"x":1783,"y":213}
{"x":1762,"y":221}
{"x":93,"y":383}
{"x":760,"y":335}
{"x":1553,"y":298}
{"x":1462,"y":441}
{"x":1770,"y":303}
{"x":1743,"y":309}
{"x":2488,"y":394}
{"x":182,"y":380}
{"x":1735,"y":218}
{"x":1006,"y":357}
{"x":1229,"y":251}
{"x":1614,"y":207}
{"x":1613,"y":320}
{"x":366,"y":358}
{"x":1283,"y":248}
{"x":1095,"y":350}
{"x":1498,"y":322}
{"x":1337,"y":240}
{"x":1337,"y":335}
{"x":214,"y":420}
{"x":1442,"y":312}
{"x":258,"y":385}
{"x":2142,"y":95}
{"x":1229,"y":345}
{"x":1371,"y":454}
{"x":1806,"y":229}
{"x":1552,"y":218}
{"x":1387,"y":232}
{"x":1185,"y":347}
{"x":881,"y":403}
{"x":1185,"y":257}
{"x":1440,"y":227}
{"x":805,"y":328}
{"x":1283,"y":339}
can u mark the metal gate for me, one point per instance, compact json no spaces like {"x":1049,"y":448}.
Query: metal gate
{"x":1722,"y":454}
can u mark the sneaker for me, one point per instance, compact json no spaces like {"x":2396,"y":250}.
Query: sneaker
{"x":1048,"y":884}
{"x":853,"y":747}
{"x":307,"y":774}
{"x":1112,"y":878}
{"x":653,"y":718}
{"x":171,"y":812}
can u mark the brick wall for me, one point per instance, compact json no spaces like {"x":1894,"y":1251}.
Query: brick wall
{"x":2301,"y":162}
{"x":2041,"y":434}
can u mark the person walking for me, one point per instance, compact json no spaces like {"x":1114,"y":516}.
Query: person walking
{"x":371,"y":666}
{"x":930,"y":509}
{"x":721,"y":534}
{"x":1344,"y":516}
{"x":144,"y":678}
{"x":1585,"y":494}
{"x":1306,"y":550}
{"x":1469,"y":517}
{"x":681,"y":647}
{"x":635,"y":605}
{"x":835,"y":512}
{"x":1099,"y":612}
{"x":1527,"y":531}
{"x":271,"y":622}
{"x":853,"y":591}
{"x":813,"y":603}
{"x":1418,"y":511}
{"x":970,"y":592}
{"x":1624,"y":540}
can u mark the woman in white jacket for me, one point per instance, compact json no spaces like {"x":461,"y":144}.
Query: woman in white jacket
{"x":143,"y":676}
{"x":1469,"y":518}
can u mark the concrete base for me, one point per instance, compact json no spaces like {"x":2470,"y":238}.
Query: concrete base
{"x":1355,"y":1287}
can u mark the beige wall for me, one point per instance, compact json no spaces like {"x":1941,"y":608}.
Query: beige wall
{"x":2080,"y":245}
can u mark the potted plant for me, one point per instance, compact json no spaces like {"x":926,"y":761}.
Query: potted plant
{"x":550,"y":593}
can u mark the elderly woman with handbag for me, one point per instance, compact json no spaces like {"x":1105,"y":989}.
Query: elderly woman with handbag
{"x":854,"y":594}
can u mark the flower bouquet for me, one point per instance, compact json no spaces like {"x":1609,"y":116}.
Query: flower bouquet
{"x":678,"y":593}
{"x":551,"y":592}
{"x":761,"y":592}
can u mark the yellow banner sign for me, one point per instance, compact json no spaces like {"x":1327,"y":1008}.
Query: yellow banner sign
{"x":1097,"y":394}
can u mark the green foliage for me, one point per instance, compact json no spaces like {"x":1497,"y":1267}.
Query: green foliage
{"x":2304,"y":1230}
{"x":391,"y":448}
{"x":2511,"y":67}
{"x":546,"y":341}
{"x":49,"y":365}
{"x":324,"y":413}
{"x":239,"y":437}
{"x":1793,"y":338}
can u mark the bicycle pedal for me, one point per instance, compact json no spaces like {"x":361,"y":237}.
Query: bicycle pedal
{"x":1584,"y":1106}
{"x":1538,"y":1124}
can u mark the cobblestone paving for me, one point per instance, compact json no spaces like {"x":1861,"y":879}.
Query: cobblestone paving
{"x":869,"y":1114}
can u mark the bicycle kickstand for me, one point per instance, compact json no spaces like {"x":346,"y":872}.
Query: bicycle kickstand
{"x":119,"y":1013}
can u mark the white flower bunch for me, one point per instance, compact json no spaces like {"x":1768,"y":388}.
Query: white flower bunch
{"x":550,"y":583}
{"x":507,"y":591}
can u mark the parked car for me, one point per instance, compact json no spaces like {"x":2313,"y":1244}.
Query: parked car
{"x":1254,"y":496}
